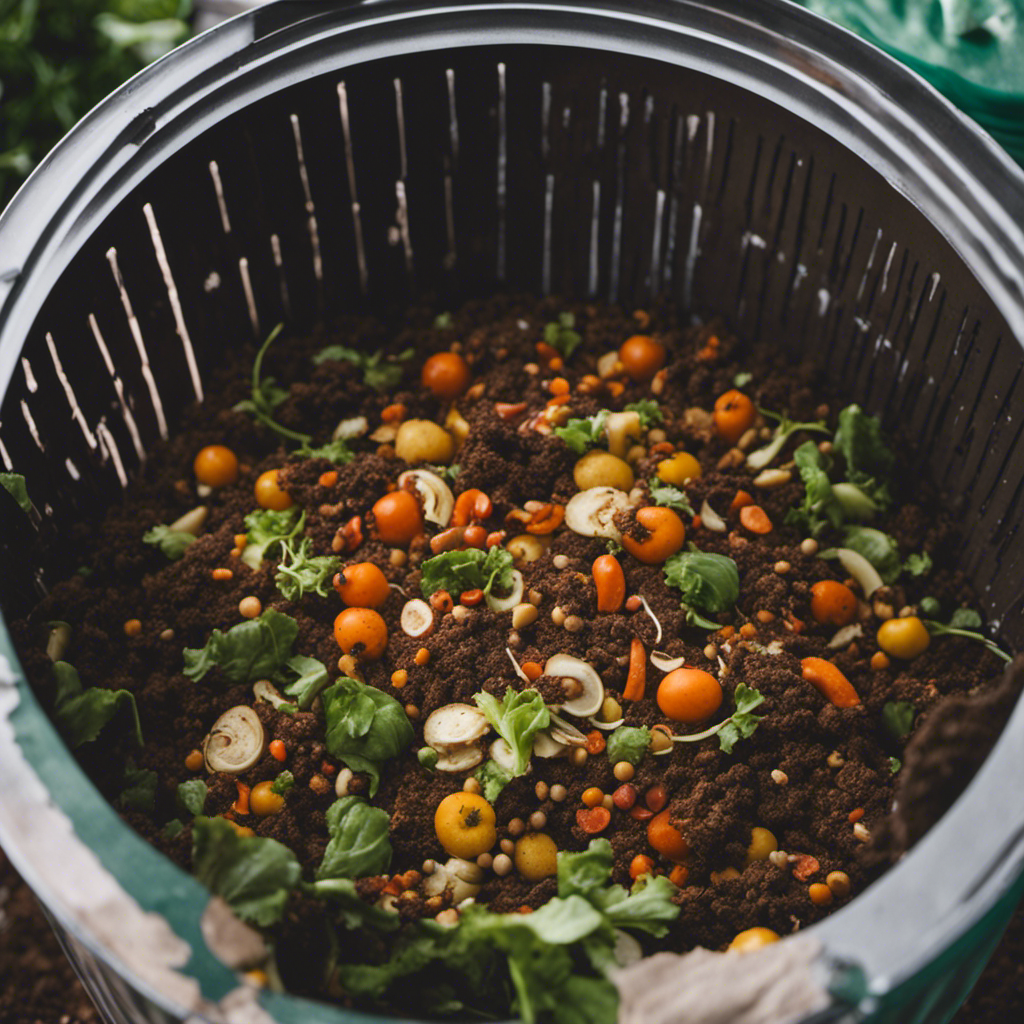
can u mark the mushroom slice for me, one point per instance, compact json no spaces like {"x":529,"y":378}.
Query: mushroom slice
{"x":711,"y":519}
{"x":590,"y":513}
{"x":354,"y":427}
{"x":265,"y":690}
{"x":565,"y":732}
{"x":545,"y":745}
{"x":861,"y":570}
{"x":462,"y":877}
{"x":438,"y":501}
{"x":621,"y":428}
{"x":191,"y":522}
{"x":590,"y":700}
{"x":417,"y":619}
{"x":514,"y":596}
{"x":503,"y":755}
{"x":459,"y":759}
{"x":236,"y":741}
{"x":454,"y":725}
{"x":660,"y":660}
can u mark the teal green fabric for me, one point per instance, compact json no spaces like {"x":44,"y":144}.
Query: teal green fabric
{"x":972,"y":51}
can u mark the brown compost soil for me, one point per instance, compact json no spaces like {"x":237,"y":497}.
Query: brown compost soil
{"x":836,"y":762}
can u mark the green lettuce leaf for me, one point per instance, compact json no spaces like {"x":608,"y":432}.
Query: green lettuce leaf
{"x":300,"y":573}
{"x":365,"y":727}
{"x":561,"y":336}
{"x":493,"y":778}
{"x":918,"y":564}
{"x":337,"y":452}
{"x":139,"y":792}
{"x":581,"y":434}
{"x":171,"y":542}
{"x":265,"y":529}
{"x":14,"y":484}
{"x":252,"y":650}
{"x":379,"y":371}
{"x":669,"y":496}
{"x":312,"y":679}
{"x":80,"y":714}
{"x":869,"y":460}
{"x":359,"y":843}
{"x":820,"y":506}
{"x":898,"y":718}
{"x":709,"y":583}
{"x":284,"y":781}
{"x":253,"y":875}
{"x":355,"y":911}
{"x":471,"y":569}
{"x":192,"y":796}
{"x":584,"y":873}
{"x":628,"y":743}
{"x":878,"y":548}
{"x":516,"y":718}
{"x":648,"y":410}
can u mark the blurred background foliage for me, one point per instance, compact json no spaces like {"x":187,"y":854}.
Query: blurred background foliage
{"x":59,"y":58}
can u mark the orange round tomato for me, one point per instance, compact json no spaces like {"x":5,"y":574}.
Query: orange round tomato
{"x":361,"y":632}
{"x":398,"y":518}
{"x":216,"y":466}
{"x":666,"y":838}
{"x":642,"y":357}
{"x":833,"y":603}
{"x":270,"y":494}
{"x":362,"y":585}
{"x":689,"y":695}
{"x":446,"y":375}
{"x":665,"y":535}
{"x":734,"y":415}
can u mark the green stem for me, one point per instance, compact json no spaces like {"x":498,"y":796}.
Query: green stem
{"x":263,"y":415}
{"x":694,"y":618}
{"x":696,"y":737}
{"x":938,"y":629}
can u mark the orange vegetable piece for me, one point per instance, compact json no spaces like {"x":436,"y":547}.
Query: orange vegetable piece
{"x":471,"y":505}
{"x":678,"y":875}
{"x":362,"y":585}
{"x":362,"y":632}
{"x":278,"y":751}
{"x":734,"y":415}
{"x":328,"y":479}
{"x":446,"y":375}
{"x":833,"y":603}
{"x":270,"y":494}
{"x":665,"y":535}
{"x":610,"y":581}
{"x":642,"y":356}
{"x":636,"y":677}
{"x":398,"y":518}
{"x":641,"y":864}
{"x":689,"y":695}
{"x":593,"y":819}
{"x":742,"y":498}
{"x":666,"y":838}
{"x":546,"y":519}
{"x":393,"y":413}
{"x":475,"y":537}
{"x":830,"y":682}
{"x":595,"y":742}
{"x":755,"y":519}
{"x":533,"y":670}
{"x":216,"y":466}
{"x":241,"y":805}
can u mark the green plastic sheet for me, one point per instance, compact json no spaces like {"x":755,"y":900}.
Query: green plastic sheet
{"x":972,"y":51}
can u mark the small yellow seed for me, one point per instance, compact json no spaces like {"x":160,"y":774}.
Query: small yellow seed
{"x":250,"y":607}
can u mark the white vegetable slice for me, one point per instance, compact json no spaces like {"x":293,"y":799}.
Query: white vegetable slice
{"x":654,"y":618}
{"x":515,"y":664}
{"x":57,"y":643}
{"x":438,"y":501}
{"x":417,"y":618}
{"x":503,"y":755}
{"x":545,"y":745}
{"x":627,"y":950}
{"x":514,"y":596}
{"x":590,"y":512}
{"x":659,"y":659}
{"x":236,"y":741}
{"x":861,"y":570}
{"x":607,"y":726}
{"x":459,"y":759}
{"x":710,"y":519}
{"x":356,"y":426}
{"x":845,"y":636}
{"x":454,"y":725}
{"x":621,"y":428}
{"x":191,"y":522}
{"x":590,"y":700}
{"x":462,"y":877}
{"x":265,"y":690}
{"x":565,"y":732}
{"x":606,"y":364}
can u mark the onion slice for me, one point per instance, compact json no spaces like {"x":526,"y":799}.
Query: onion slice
{"x":656,"y":620}
{"x":515,"y":595}
{"x":660,"y":660}
{"x":607,"y":726}
{"x":711,"y":519}
{"x":861,"y":570}
{"x":845,"y":636}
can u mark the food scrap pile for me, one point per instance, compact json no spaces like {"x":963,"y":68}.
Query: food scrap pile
{"x":509,"y":645}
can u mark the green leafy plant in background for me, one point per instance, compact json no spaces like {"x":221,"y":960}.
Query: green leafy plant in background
{"x":80,"y":714}
{"x":59,"y":58}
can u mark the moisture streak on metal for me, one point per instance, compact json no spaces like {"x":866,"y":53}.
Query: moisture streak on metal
{"x":402,"y":216}
{"x":175,"y":298}
{"x":314,"y":230}
{"x":72,"y":469}
{"x":549,"y":200}
{"x":218,"y":188}
{"x":709,"y":151}
{"x":620,"y":199}
{"x":350,"y":166}
{"x":403,"y":156}
{"x":659,"y":213}
{"x":502,"y":169}
{"x":30,"y":378}
{"x":250,"y":298}
{"x":126,"y":412}
{"x":449,"y":222}
{"x":275,"y":248}
{"x":76,"y":411}
{"x":887,"y":267}
{"x":595,"y":226}
{"x":133,"y":324}
{"x":692,"y":252}
{"x":602,"y":111}
{"x":110,"y":450}
{"x":453,"y":117}
{"x":673,"y":206}
{"x":545,"y":120}
{"x":31,"y":424}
